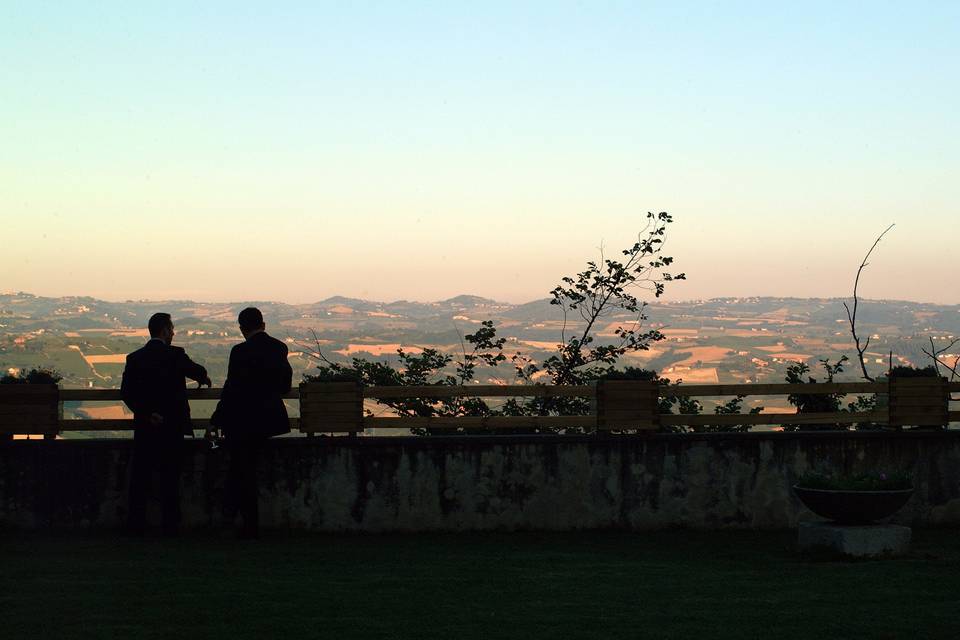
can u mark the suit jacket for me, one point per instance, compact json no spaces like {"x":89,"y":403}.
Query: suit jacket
{"x":258,"y":376}
{"x":154,"y":381}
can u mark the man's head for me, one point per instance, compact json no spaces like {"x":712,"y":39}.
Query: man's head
{"x":251,"y":321}
{"x":161,"y":327}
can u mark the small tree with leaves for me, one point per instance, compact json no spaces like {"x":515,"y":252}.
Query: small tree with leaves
{"x":429,"y":367}
{"x":589,"y":298}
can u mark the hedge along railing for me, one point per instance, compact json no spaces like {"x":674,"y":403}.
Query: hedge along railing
{"x":337,"y":407}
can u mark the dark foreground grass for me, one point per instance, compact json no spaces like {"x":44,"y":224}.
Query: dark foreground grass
{"x":459,"y":586}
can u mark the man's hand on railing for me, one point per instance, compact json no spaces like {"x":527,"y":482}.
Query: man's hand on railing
{"x":212,"y":436}
{"x":205,"y":381}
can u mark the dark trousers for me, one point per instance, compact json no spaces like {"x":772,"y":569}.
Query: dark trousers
{"x":241,"y":489}
{"x":155,"y":453}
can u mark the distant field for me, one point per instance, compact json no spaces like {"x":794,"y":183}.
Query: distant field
{"x":649,"y":354}
{"x":784,"y":355}
{"x":116,"y":412}
{"x":702,"y":354}
{"x":115,"y":358}
{"x":322,"y":324}
{"x":744,"y":333}
{"x":543,"y":345}
{"x":688,"y":333}
{"x":112,"y":370}
{"x":377,"y":349}
{"x":705,"y":375}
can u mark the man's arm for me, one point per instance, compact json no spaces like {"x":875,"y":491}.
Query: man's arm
{"x":220,"y":414}
{"x":286,"y":372}
{"x":131,"y":388}
{"x":192,"y":370}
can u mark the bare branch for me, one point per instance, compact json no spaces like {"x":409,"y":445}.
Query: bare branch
{"x":937,"y":362}
{"x":852,"y":314}
{"x":318,"y":353}
{"x":934,"y":353}
{"x":463,"y":349}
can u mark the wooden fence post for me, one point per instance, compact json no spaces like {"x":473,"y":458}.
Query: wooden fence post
{"x":331,"y":407}
{"x":921,"y":402}
{"x":30,"y":408}
{"x":627,"y":405}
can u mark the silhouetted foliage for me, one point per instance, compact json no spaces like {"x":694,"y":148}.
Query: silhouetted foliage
{"x":914,"y":372}
{"x":814,"y":403}
{"x":669,"y":403}
{"x":430,"y":367}
{"x":602,"y":289}
{"x":34,"y":376}
{"x":868,"y":481}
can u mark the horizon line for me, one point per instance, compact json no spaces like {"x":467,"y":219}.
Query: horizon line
{"x":653,"y":302}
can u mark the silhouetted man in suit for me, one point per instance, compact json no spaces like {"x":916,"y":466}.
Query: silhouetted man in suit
{"x":154,"y":387}
{"x":251,"y":410}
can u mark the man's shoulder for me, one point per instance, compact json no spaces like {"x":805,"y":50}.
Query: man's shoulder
{"x":179,"y":355}
{"x":137,"y":354}
{"x":264,"y":342}
{"x":277,"y":344}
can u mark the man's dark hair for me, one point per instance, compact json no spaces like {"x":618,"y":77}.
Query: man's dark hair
{"x":158,"y":322}
{"x":250,"y":318}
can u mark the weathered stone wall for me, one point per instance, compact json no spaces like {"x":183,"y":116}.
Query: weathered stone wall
{"x":497,"y":482}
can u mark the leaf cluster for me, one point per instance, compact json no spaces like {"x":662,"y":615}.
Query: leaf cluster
{"x":914,"y":372}
{"x":588,"y":300}
{"x":34,"y":376}
{"x":867,"y":481}
{"x":815,"y":403}
{"x":429,"y":367}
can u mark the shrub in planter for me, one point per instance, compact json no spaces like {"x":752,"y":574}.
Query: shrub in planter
{"x":854,"y":499}
{"x":918,"y":397}
{"x":29,"y":403}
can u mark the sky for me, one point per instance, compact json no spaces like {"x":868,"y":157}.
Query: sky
{"x":291,"y":151}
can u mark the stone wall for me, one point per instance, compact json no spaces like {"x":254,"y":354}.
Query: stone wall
{"x":377,"y":484}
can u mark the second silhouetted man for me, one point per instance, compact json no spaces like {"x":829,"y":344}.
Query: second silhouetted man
{"x":250,"y":410}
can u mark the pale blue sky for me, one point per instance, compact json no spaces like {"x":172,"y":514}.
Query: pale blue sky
{"x":294,"y":151}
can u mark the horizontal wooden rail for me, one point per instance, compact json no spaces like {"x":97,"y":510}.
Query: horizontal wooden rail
{"x":480,"y":391}
{"x":541,"y":391}
{"x":127,"y":425}
{"x":113,"y":395}
{"x":477,"y":422}
{"x":783,"y":388}
{"x":616,"y":405}
{"x":773,"y":418}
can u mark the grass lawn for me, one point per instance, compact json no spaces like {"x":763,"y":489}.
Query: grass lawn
{"x":458,"y":586}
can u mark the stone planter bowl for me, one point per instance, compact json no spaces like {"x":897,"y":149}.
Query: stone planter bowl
{"x":853,"y":507}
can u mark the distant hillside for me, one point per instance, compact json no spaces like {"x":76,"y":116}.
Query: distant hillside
{"x":724,"y":339}
{"x":77,"y":312}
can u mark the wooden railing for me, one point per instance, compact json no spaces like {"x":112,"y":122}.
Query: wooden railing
{"x":616,"y":405}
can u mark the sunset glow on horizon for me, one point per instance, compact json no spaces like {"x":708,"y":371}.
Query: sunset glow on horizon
{"x":391,"y":152}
